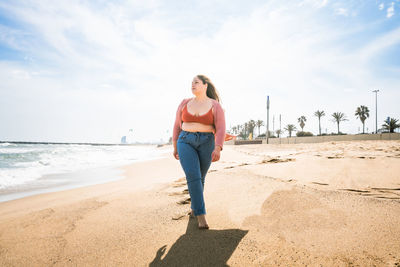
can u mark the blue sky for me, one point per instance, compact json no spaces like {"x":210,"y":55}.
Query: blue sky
{"x":88,"y":71}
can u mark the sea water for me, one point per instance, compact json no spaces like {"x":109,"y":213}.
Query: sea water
{"x":27,"y":169}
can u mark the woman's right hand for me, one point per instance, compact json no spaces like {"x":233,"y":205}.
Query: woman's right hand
{"x":175,"y":153}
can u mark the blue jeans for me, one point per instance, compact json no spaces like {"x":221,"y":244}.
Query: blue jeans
{"x":194,"y":150}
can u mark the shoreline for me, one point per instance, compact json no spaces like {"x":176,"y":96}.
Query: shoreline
{"x":56,"y":182}
{"x":63,"y":181}
{"x":330,"y":204}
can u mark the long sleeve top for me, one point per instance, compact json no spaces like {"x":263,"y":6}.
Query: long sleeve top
{"x":219,"y":122}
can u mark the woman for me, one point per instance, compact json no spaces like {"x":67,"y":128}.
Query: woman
{"x":198,"y":138}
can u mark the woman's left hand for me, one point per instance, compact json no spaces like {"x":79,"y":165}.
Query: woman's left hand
{"x":216,"y":153}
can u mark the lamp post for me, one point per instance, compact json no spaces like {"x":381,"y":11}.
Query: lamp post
{"x":376,"y":110}
{"x":273,"y":124}
{"x":267,"y":133}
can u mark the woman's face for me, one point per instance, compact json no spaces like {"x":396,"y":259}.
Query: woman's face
{"x":198,"y":87}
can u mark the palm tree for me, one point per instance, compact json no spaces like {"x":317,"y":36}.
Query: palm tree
{"x":239,"y":128}
{"x":362,"y":112}
{"x":242,"y":131}
{"x":391,"y":125}
{"x":259,"y":123}
{"x":290,"y":128}
{"x":319,"y":114}
{"x":251,"y":124}
{"x":234,"y":129}
{"x":278,"y":132}
{"x":338,"y":117}
{"x":302,"y":121}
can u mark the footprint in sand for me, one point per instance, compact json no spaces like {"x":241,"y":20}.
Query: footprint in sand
{"x":178,"y":217}
{"x":184,"y":201}
{"x":378,"y":192}
{"x":384,"y":188}
{"x":175,"y":194}
{"x":179,"y":182}
{"x":184,"y":192}
{"x":179,"y":185}
{"x":276,"y":160}
{"x":355,"y":190}
{"x":319,"y":183}
{"x":182,"y":179}
{"x":181,"y":216}
{"x":388,"y":197}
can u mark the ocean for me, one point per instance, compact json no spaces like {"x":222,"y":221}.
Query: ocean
{"x":28,"y":169}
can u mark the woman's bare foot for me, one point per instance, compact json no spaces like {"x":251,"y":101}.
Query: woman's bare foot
{"x":202,"y":221}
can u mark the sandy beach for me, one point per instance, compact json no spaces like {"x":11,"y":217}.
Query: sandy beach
{"x":326,"y":204}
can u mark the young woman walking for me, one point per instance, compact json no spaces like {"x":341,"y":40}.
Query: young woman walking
{"x":198,"y":137}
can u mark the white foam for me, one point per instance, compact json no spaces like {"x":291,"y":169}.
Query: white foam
{"x":32,"y":162}
{"x":6,"y":144}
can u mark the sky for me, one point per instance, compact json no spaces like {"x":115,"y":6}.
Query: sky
{"x":88,"y":71}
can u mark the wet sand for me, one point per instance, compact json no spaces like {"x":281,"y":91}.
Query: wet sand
{"x":329,"y":204}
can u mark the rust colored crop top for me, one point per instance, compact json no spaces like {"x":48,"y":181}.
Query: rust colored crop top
{"x":207,"y":119}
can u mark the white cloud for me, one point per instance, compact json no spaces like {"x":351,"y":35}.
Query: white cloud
{"x":381,"y":6}
{"x":390,"y":10}
{"x":380,"y":44}
{"x":342,"y":11}
{"x":314,"y":3}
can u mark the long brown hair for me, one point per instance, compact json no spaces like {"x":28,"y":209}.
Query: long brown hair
{"x":211,"y":91}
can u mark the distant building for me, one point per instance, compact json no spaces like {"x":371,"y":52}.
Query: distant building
{"x":129,"y":137}
{"x":123,"y":140}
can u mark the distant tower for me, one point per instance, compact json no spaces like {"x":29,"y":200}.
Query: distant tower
{"x":123,"y":140}
{"x":129,"y":137}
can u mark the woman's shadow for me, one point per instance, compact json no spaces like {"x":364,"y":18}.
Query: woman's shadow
{"x":200,"y":247}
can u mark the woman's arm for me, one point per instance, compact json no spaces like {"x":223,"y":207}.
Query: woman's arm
{"x":177,"y":128}
{"x":220,"y":128}
{"x":219,"y":122}
{"x":175,"y":153}
{"x":178,"y":121}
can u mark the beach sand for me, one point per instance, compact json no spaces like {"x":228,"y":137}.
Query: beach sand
{"x":325,"y":204}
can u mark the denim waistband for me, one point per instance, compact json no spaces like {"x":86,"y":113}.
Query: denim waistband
{"x":198,"y":133}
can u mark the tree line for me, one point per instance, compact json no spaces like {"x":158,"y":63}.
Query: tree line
{"x":362,"y":113}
